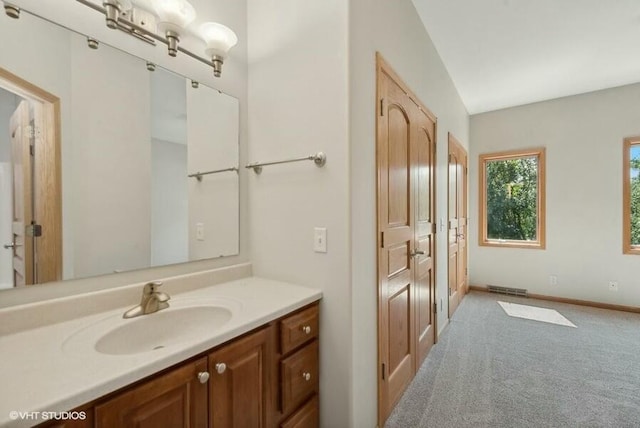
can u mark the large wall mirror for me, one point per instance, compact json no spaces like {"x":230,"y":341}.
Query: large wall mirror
{"x":99,"y":160}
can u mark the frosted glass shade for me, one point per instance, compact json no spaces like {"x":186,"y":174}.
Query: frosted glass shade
{"x":219,"y":39}
{"x":174,"y":15}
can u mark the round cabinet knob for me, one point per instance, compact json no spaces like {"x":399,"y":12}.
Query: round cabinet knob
{"x":203,"y":377}
{"x":306,"y":376}
{"x":306,"y":329}
{"x":221,"y":367}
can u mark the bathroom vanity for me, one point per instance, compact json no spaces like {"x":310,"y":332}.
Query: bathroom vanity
{"x":241,"y":353}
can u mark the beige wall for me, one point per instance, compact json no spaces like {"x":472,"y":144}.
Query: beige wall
{"x":298,"y":106}
{"x":583,"y":135}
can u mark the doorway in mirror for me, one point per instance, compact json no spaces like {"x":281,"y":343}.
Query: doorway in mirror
{"x":29,"y":180}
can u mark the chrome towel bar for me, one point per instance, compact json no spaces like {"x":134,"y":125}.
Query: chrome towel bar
{"x":319,"y":159}
{"x":198,"y":175}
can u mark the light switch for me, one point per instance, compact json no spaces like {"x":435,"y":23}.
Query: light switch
{"x":200,"y":231}
{"x":320,"y":240}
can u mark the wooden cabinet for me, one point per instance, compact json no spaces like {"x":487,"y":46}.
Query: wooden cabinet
{"x":306,"y":417}
{"x":265,"y":379}
{"x":238,"y":388}
{"x":176,"y":399}
{"x":299,"y":369}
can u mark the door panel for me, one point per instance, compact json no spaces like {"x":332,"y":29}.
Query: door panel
{"x":395,"y":222}
{"x":457,"y":281}
{"x":22,"y":207}
{"x":425,"y":234}
{"x":406,"y":243}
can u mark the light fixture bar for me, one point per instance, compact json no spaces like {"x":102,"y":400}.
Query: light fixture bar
{"x":138,"y":31}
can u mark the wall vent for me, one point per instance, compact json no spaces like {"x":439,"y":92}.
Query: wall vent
{"x":506,"y":290}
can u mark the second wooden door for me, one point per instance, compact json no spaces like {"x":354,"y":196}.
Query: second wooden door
{"x":457,"y":223}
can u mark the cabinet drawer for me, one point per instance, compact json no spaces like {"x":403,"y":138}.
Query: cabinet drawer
{"x":298,"y":329}
{"x":299,"y":376}
{"x":307,"y":416}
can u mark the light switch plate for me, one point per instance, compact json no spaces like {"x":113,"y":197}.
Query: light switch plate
{"x":320,"y":240}
{"x":200,"y":231}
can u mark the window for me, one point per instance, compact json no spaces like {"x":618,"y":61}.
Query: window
{"x":631,"y":196}
{"x":512,"y":199}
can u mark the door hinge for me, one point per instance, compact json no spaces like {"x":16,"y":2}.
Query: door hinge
{"x":434,"y":228}
{"x":32,"y":150}
{"x":466,"y":271}
{"x":381,"y":106}
{"x":34,"y":230}
{"x":382,"y":371}
{"x":435,"y":307}
{"x":381,"y":239}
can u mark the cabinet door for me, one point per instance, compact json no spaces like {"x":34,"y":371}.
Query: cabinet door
{"x":174,"y":399}
{"x":239,"y":382}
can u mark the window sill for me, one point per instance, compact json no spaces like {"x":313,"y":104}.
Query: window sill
{"x":516,"y":244}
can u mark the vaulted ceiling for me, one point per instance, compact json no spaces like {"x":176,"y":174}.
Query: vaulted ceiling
{"x":503,"y":53}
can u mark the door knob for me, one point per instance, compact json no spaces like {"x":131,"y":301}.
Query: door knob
{"x":221,"y":367}
{"x":12,"y":245}
{"x":306,"y":329}
{"x":306,"y":376}
{"x":460,"y":236}
{"x":203,"y":377}
{"x":417,"y":253}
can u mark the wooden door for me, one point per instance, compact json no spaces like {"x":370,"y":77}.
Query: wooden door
{"x":405,"y":152}
{"x":22,"y":199}
{"x":457,"y":223}
{"x":425,"y":238}
{"x":239,"y":386}
{"x":176,"y":399}
{"x":46,"y":193}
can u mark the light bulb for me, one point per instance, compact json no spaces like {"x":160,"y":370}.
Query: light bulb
{"x":174,"y":16}
{"x":219,"y":39}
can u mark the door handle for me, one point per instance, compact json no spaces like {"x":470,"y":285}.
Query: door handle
{"x":460,"y":236}
{"x":417,"y":253}
{"x":12,"y":245}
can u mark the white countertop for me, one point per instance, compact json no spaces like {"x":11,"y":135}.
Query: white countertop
{"x":38,"y":375}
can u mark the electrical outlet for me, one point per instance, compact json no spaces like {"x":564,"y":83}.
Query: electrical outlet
{"x":553,"y":280}
{"x":613,"y":285}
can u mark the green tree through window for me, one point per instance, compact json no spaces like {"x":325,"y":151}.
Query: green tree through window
{"x":635,"y":195}
{"x":512,"y":193}
{"x":512,"y":199}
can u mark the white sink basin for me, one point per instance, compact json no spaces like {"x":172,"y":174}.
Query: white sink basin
{"x":183,"y":322}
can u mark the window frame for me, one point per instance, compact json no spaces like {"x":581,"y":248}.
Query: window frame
{"x":627,"y":248}
{"x":540,"y":243}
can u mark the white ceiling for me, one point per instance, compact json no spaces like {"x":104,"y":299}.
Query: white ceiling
{"x":503,"y":53}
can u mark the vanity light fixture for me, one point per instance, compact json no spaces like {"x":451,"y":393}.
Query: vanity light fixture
{"x":173,"y":20}
{"x":11,"y":10}
{"x":174,"y":16}
{"x":113,"y":9}
{"x":219,"y":39}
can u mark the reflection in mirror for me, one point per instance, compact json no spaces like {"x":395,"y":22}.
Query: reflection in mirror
{"x":95,"y":157}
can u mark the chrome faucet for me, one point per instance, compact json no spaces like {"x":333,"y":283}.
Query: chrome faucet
{"x":152,"y":301}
